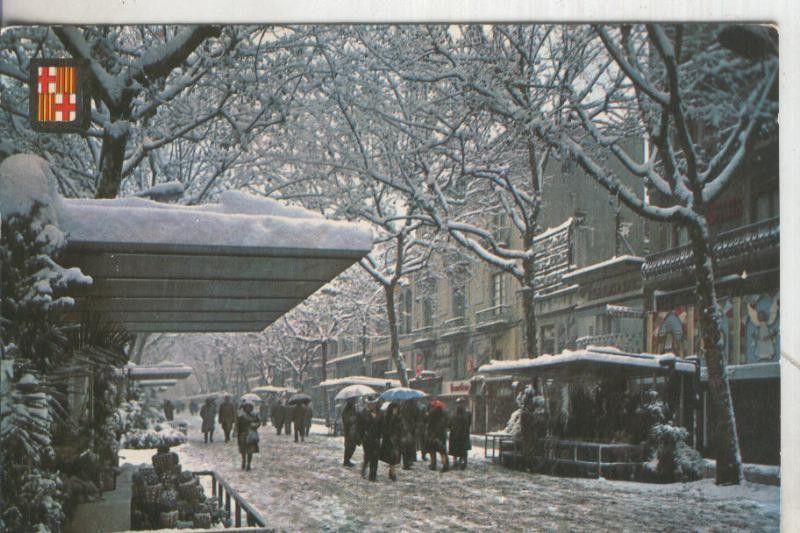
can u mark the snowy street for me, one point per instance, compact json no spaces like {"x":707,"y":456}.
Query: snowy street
{"x":303,"y":487}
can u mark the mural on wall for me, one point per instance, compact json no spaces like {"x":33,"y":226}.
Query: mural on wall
{"x":671,"y":332}
{"x":761,"y":327}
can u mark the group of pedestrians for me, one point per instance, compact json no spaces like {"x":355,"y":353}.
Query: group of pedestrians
{"x":284,"y":416}
{"x":396,"y":434}
{"x":243,"y":426}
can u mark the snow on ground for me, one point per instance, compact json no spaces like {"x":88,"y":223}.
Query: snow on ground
{"x":303,"y":487}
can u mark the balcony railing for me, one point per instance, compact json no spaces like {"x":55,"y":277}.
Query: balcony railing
{"x":500,"y":312}
{"x":224,"y":493}
{"x":739,"y":242}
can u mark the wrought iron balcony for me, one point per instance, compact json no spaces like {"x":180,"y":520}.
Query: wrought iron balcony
{"x":740,"y":242}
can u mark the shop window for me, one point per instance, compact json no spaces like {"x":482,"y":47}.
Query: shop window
{"x":766,"y":205}
{"x":670,"y":332}
{"x":761,"y":328}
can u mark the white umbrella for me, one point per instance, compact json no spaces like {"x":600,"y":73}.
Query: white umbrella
{"x":250,"y":397}
{"x":354,"y":391}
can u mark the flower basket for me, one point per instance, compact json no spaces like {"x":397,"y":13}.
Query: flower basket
{"x":168,"y":519}
{"x":188,"y":491}
{"x":202,"y":520}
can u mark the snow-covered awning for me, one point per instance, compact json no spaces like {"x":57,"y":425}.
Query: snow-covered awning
{"x":272,"y":389}
{"x":142,"y":373}
{"x":610,"y":267}
{"x":157,"y":383}
{"x":594,"y":361}
{"x":380,"y":383}
{"x":236,"y":265}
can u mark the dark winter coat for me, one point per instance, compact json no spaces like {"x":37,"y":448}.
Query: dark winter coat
{"x":391,"y":436}
{"x":278,"y":415}
{"x":408,"y":419}
{"x":299,"y":413}
{"x":244,"y":424}
{"x":460,"y":423}
{"x":421,"y":429}
{"x":227,"y":414}
{"x":207,"y":413}
{"x":263,"y":412}
{"x":309,"y":416}
{"x":436,"y":431}
{"x":350,"y":424}
{"x":370,"y":424}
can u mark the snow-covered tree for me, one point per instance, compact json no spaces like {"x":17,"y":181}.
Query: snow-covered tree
{"x":661,"y":82}
{"x":170,"y":103}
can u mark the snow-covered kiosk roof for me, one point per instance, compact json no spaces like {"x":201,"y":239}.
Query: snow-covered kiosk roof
{"x":236,"y":265}
{"x":156,"y":372}
{"x":592,"y":362}
{"x":380,"y":383}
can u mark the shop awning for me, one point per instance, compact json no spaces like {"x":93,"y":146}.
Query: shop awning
{"x":591,"y":363}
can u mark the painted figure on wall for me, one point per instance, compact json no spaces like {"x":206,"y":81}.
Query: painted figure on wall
{"x":762,"y":327}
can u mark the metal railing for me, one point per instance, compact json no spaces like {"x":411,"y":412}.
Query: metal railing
{"x":734,"y":243}
{"x":498,"y":312}
{"x":224,"y":492}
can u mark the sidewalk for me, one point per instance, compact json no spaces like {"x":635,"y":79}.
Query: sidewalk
{"x":111,"y":513}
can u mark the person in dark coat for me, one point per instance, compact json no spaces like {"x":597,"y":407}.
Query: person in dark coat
{"x":263,"y":413}
{"x":352,"y":438}
{"x":193,"y":407}
{"x":278,"y":415}
{"x":169,"y":410}
{"x":408,"y":438}
{"x":207,"y":413}
{"x":227,"y":416}
{"x":247,"y":425}
{"x":421,"y":431}
{"x":309,"y":416}
{"x":371,"y":429}
{"x":459,"y":442}
{"x":390,"y":439}
{"x":299,"y":411}
{"x":533,"y":428}
{"x":436,"y":434}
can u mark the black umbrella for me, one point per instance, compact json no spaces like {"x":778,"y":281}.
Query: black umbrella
{"x":299,"y":398}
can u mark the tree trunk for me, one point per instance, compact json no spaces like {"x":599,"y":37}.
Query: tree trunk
{"x":528,"y":304}
{"x":391,"y":314}
{"x":728,"y":456}
{"x":112,"y":157}
{"x":325,"y":377}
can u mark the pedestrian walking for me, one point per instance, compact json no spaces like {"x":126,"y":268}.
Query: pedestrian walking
{"x":371,"y":429}
{"x":227,"y":416}
{"x":299,"y":411}
{"x":459,"y":442}
{"x":390,"y":439}
{"x":263,"y":413}
{"x":408,"y":438}
{"x":309,"y":416}
{"x":169,"y":410}
{"x":422,"y":430}
{"x":193,"y":407}
{"x":207,"y":413}
{"x":278,"y":412}
{"x":247,"y":425}
{"x":436,"y":434}
{"x":352,"y":438}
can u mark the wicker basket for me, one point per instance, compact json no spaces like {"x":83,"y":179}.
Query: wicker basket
{"x":168,"y":519}
{"x":202,"y":520}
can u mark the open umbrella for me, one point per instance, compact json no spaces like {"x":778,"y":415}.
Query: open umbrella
{"x":250,"y":397}
{"x":402,"y":393}
{"x":354,"y":391}
{"x":299,"y":398}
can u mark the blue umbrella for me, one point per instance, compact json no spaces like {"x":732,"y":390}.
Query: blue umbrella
{"x":402,"y":393}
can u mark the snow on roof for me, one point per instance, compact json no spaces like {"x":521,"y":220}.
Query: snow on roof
{"x":607,"y":355}
{"x":237,"y":220}
{"x":604,"y":264}
{"x":272,"y":388}
{"x":360,"y":380}
{"x":550,"y":231}
{"x":136,"y":220}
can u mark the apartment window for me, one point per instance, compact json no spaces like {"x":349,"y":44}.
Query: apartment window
{"x":680,"y":235}
{"x":459,"y":300}
{"x":498,"y":292}
{"x":405,"y":304}
{"x":427,"y":312}
{"x":766,"y":205}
